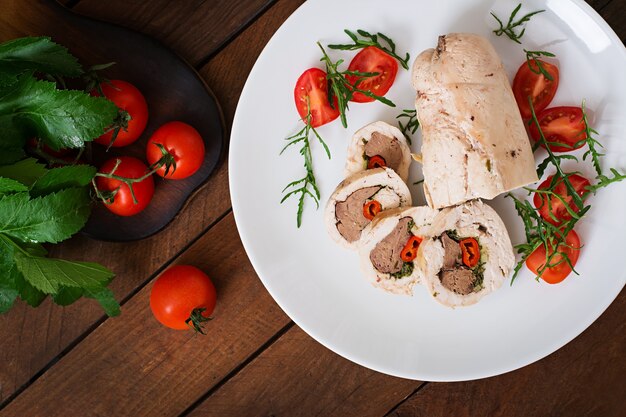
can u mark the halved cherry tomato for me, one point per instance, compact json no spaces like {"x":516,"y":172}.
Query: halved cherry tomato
{"x":313,"y":85}
{"x":552,"y":209}
{"x":371,"y":209}
{"x":562,"y":125}
{"x":373,"y":59}
{"x":129,"y":167}
{"x":561,"y":269}
{"x":537,"y":86}
{"x":409,"y":252}
{"x":183,"y":142}
{"x":470,"y":251}
{"x":376,"y":161}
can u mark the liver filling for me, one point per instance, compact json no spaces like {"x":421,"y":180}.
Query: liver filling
{"x":385,"y":146}
{"x":349,"y":213}
{"x":454,"y":275}
{"x":386,"y":254}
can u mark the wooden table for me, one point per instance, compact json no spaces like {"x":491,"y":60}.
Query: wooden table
{"x":73,"y":361}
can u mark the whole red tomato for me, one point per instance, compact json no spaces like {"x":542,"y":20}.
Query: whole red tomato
{"x":123,"y":203}
{"x":182,"y":297}
{"x":129,"y":99}
{"x":183,"y":142}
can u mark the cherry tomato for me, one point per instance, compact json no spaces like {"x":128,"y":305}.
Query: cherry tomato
{"x":183,"y":142}
{"x":312,"y":84}
{"x":557,"y":273}
{"x":128,"y":98}
{"x":129,"y":167}
{"x":537,"y":86}
{"x":182,"y":297}
{"x":373,"y":59}
{"x":554,"y":208}
{"x":562,"y":125}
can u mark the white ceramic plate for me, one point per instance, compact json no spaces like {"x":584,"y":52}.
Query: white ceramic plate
{"x":319,"y":285}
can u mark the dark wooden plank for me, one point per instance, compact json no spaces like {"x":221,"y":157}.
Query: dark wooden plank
{"x":584,"y":378}
{"x":615,"y":15}
{"x":133,"y":366}
{"x":297,"y":376}
{"x":598,"y":4}
{"x":193,"y":28}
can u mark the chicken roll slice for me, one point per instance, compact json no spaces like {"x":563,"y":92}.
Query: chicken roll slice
{"x":389,"y":246}
{"x":359,"y":198}
{"x":468,"y":256}
{"x":474,"y":141}
{"x":379,"y":145}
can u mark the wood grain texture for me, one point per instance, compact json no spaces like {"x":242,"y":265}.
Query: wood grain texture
{"x":133,"y":366}
{"x":584,"y":378}
{"x":615,"y":15}
{"x":296,"y":376}
{"x":193,"y":28}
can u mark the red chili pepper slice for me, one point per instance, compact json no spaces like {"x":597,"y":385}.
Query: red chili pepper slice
{"x":470,"y":251}
{"x":409,"y":252}
{"x":376,"y":161}
{"x":371,"y":209}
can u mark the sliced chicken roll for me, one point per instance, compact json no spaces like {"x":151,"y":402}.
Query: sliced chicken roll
{"x":474,"y":141}
{"x":379,"y":145}
{"x":359,"y":198}
{"x":389,"y":247}
{"x":468,"y":256}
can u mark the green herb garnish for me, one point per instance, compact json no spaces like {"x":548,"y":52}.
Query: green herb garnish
{"x":342,"y":89}
{"x":411,"y":125}
{"x":509,"y":29}
{"x":307,"y":185}
{"x":531,"y":57}
{"x":372,"y":40}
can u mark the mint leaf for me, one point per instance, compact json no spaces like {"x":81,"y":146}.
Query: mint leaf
{"x":107,"y":301}
{"x":8,"y":293}
{"x":40,"y":54}
{"x":49,"y":274}
{"x":51,"y":218}
{"x":29,"y":294}
{"x":12,"y":282}
{"x":64,"y":177}
{"x":62,"y":118}
{"x":67,"y":295}
{"x":26,"y":171}
{"x":7,"y":185}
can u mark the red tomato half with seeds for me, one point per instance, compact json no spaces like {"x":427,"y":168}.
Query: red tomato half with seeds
{"x":537,"y":86}
{"x":551,"y":207}
{"x":129,"y":99}
{"x":373,"y":59}
{"x":183,"y":297}
{"x":311,"y":93}
{"x":183,"y":142}
{"x":563,"y":125}
{"x":560,"y":269}
{"x":123,"y":203}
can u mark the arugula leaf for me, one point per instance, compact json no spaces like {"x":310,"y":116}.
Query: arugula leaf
{"x":107,"y":301}
{"x":64,"y":177}
{"x":26,"y":171}
{"x":51,"y":218}
{"x":61,"y":118}
{"x":40,"y":54}
{"x":8,"y":185}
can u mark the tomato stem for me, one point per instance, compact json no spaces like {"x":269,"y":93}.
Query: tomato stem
{"x":196,"y":320}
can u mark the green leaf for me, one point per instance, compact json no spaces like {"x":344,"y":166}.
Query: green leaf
{"x":51,"y":218}
{"x":12,"y":282}
{"x":67,"y":295}
{"x":39,"y":54}
{"x":61,"y":118}
{"x":64,"y":177}
{"x":8,"y":185}
{"x":49,"y":274}
{"x":29,"y":294}
{"x":8,"y":290}
{"x":26,"y":171}
{"x":11,"y":153}
{"x":107,"y":301}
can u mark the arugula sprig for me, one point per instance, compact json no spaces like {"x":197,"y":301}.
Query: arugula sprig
{"x":592,"y":142}
{"x":307,"y":185}
{"x":341,"y":88}
{"x":411,"y":124}
{"x":511,"y":25}
{"x":372,"y":40}
{"x":532,"y":58}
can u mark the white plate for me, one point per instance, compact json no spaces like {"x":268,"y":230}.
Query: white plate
{"x":319,"y":285}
